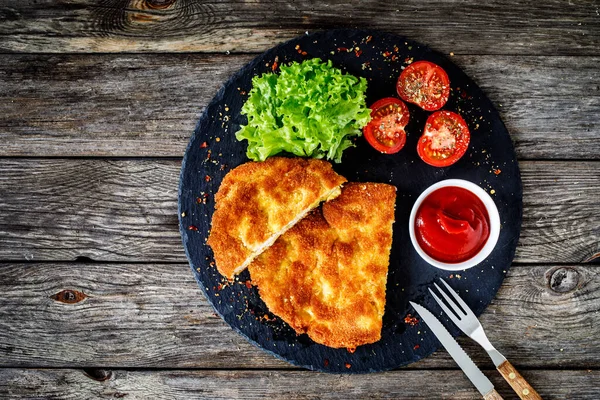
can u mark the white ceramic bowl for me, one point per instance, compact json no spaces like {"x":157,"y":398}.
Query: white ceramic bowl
{"x":492,"y":211}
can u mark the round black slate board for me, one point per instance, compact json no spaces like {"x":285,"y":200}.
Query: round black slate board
{"x":379,"y":58}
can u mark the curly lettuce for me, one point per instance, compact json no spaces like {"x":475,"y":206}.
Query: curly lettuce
{"x":310,"y":109}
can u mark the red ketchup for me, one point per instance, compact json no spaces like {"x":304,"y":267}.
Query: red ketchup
{"x":452,"y":225}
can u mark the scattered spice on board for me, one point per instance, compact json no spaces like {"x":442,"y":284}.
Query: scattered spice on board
{"x":204,"y":145}
{"x":410,"y":320}
{"x":248,"y":284}
{"x":497,"y":171}
{"x":326,"y":363}
{"x":416,"y":347}
{"x":351,"y":350}
{"x":300,"y":51}
{"x":192,"y":228}
{"x":207,"y":178}
{"x":348,"y":365}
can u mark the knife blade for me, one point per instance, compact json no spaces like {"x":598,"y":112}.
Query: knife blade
{"x":481,"y":382}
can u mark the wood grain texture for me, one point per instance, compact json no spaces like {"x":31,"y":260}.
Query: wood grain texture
{"x":148,"y":105}
{"x":137,"y":315}
{"x":497,"y":27}
{"x":493,"y":395}
{"x":113,"y":210}
{"x":105,"y":210}
{"x":521,"y":387}
{"x":285,"y":385}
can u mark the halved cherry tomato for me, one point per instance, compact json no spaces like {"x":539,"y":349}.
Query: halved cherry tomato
{"x":445,"y":139}
{"x":425,"y":84}
{"x":386,"y":132}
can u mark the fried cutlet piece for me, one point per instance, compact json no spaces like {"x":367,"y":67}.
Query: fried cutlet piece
{"x":258,"y":201}
{"x":327,"y":275}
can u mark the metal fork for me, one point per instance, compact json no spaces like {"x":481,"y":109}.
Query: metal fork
{"x":466,"y":320}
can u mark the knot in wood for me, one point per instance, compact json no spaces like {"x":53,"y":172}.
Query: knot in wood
{"x":97,"y":374}
{"x":69,"y":296}
{"x":563,"y":280}
{"x":159,"y":4}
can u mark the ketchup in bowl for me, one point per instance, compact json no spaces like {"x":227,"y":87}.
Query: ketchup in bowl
{"x":452,"y":224}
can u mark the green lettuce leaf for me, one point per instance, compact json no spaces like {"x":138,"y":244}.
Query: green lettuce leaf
{"x":310,"y":109}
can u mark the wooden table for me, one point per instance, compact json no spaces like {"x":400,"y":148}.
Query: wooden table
{"x":98,"y":101}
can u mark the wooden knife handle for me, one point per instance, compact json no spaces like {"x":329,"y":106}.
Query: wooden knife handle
{"x":493,"y":395}
{"x":517,"y":382}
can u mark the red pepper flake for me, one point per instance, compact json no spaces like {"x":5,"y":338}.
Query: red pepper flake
{"x":410,"y":320}
{"x":394,"y":57}
{"x":204,"y":145}
{"x":351,"y":350}
{"x":207,"y":178}
{"x":387,"y":53}
{"x":348,"y":365}
{"x":326,"y":362}
{"x":369,"y":38}
{"x":497,"y":171}
{"x":275,"y":64}
{"x":220,"y":287}
{"x":396,"y":49}
{"x":300,"y":51}
{"x":248,"y":284}
{"x":358,"y":52}
{"x":340,"y":49}
{"x":451,"y":276}
{"x":192,"y":228}
{"x":416,"y":347}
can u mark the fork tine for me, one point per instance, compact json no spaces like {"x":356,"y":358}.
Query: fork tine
{"x":462,"y":303}
{"x":449,"y":313}
{"x":451,"y":303}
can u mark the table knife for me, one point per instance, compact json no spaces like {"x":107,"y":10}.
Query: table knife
{"x":481,"y":382}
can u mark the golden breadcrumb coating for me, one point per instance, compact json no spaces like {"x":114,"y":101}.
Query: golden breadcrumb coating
{"x":258,"y":201}
{"x":327,"y":275}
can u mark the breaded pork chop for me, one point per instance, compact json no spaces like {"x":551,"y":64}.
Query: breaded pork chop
{"x":327,"y":275}
{"x":258,"y":201}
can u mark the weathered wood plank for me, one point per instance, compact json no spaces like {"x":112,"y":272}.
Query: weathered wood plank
{"x":135,"y":315}
{"x":498,"y":27}
{"x":148,"y":105}
{"x":288,"y":385}
{"x":126,"y":210}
